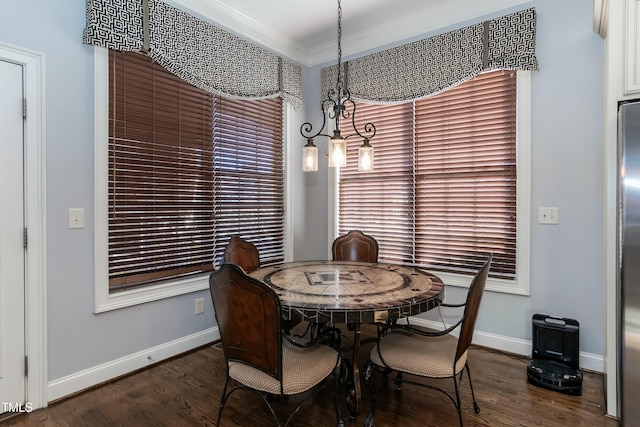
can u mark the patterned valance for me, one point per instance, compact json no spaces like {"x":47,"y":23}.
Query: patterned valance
{"x":430,"y":66}
{"x":194,"y":50}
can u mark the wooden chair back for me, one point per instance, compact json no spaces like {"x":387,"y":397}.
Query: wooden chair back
{"x":240,"y":252}
{"x":355,"y":246}
{"x":472,"y":306}
{"x":248,"y":313}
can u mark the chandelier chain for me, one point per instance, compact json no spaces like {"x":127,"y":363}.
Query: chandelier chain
{"x":339,"y":86}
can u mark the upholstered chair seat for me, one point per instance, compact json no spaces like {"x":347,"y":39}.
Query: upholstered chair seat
{"x":419,"y":355}
{"x":302,"y":369}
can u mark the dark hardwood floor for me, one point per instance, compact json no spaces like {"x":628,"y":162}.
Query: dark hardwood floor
{"x":185,"y":391}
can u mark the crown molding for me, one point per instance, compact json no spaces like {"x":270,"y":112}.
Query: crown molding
{"x":224,"y":16}
{"x":414,"y":24}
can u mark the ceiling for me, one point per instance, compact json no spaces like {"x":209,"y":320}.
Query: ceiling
{"x":306,"y":30}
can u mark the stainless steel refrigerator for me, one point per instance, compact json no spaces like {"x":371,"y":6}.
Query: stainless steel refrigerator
{"x":629,"y":260}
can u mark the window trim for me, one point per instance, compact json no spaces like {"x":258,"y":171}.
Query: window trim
{"x":519,"y":286}
{"x":103,"y":299}
{"x":289,"y":223}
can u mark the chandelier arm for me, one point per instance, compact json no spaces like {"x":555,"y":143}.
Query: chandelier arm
{"x":330,"y":106}
{"x":306,"y":130}
{"x":368,"y":130}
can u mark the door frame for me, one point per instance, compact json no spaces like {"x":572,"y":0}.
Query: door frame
{"x":32,"y":63}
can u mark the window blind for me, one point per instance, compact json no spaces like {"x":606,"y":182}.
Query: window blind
{"x":160,"y":170}
{"x":176,"y":191}
{"x":466,"y":183}
{"x":443,"y":192}
{"x":249,"y":174}
{"x":381,"y":202}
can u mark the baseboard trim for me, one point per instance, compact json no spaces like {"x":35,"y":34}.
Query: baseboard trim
{"x":87,"y":378}
{"x":588,"y":361}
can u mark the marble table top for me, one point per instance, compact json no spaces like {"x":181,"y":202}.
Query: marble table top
{"x":351,"y":292}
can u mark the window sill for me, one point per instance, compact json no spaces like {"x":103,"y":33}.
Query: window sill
{"x":517,"y":287}
{"x":106,"y":301}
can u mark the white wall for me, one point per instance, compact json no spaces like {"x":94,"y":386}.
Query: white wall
{"x":566,"y":171}
{"x":311,"y":237}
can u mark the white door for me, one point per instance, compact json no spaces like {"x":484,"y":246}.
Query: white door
{"x":12,"y":252}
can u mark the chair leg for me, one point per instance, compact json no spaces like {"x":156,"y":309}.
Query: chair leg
{"x":223,"y":400}
{"x":457,"y":386}
{"x":276,"y":414}
{"x":476,"y":407}
{"x":398,"y":381}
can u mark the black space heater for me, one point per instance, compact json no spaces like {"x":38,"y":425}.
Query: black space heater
{"x":555,"y":361}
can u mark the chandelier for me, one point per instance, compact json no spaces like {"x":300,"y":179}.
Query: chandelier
{"x":337,"y":105}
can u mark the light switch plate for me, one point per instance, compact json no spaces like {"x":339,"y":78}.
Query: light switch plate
{"x":547,"y":215}
{"x":76,"y":218}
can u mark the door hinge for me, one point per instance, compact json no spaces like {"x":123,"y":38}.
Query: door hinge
{"x":25,"y":238}
{"x":24,"y":108}
{"x":26,"y":366}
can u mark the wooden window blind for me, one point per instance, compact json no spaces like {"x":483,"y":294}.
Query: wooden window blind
{"x":249,"y":174}
{"x":443,"y":192}
{"x":381,"y":202}
{"x":164,"y":209}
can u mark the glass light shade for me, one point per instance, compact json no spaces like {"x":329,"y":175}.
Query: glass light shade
{"x":338,"y":151}
{"x":365,"y":157}
{"x":309,"y":157}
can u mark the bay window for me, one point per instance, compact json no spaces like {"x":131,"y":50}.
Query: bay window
{"x":446,"y":189}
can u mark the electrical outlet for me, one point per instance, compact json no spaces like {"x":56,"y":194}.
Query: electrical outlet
{"x":199,"y":305}
{"x":547,"y":215}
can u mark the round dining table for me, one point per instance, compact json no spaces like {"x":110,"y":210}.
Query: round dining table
{"x":353,"y":293}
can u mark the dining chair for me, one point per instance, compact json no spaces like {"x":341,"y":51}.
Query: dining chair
{"x":243,"y":253}
{"x":426,"y":353}
{"x":359,"y":247}
{"x":259,"y":357}
{"x":355,"y":246}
